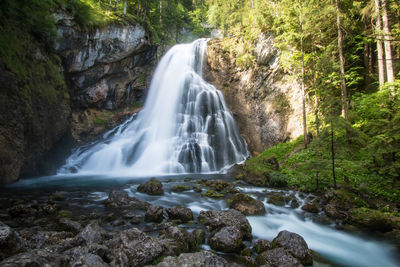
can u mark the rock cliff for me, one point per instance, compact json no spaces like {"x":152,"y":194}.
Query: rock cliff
{"x":264,"y":100}
{"x":40,"y":105}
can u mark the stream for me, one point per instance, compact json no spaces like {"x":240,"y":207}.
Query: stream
{"x":336,"y":247}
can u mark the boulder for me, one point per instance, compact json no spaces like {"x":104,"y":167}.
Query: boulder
{"x":70,"y":225}
{"x":92,"y":233}
{"x":199,"y":259}
{"x":295,"y":244}
{"x":197,"y":238}
{"x":154,"y":214}
{"x":247,"y":205}
{"x":310,"y":207}
{"x":180,"y":213}
{"x":10,"y":241}
{"x":88,"y":260}
{"x":118,"y":198}
{"x":175,"y":240}
{"x":215,"y":220}
{"x":262,"y":245}
{"x":278,"y":198}
{"x":151,"y":187}
{"x":278,"y":257}
{"x":35,"y":258}
{"x":132,"y":247}
{"x":228,"y":239}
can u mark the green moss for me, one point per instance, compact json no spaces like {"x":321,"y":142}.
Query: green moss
{"x":180,"y":188}
{"x":374,"y":219}
{"x":100,"y":121}
{"x":212,"y":194}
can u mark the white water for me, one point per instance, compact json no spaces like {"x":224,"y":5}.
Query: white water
{"x":185,"y":126}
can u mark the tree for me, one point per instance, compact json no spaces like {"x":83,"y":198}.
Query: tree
{"x":387,"y":42}
{"x":378,"y":30}
{"x":303,"y":89}
{"x":342,"y":63}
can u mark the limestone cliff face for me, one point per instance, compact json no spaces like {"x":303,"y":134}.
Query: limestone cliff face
{"x":265,"y":101}
{"x":105,"y":68}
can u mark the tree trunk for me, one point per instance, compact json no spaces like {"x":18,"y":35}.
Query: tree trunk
{"x":145,"y":9}
{"x":116,"y":4}
{"x":342,"y":63}
{"x":125,"y":6}
{"x":381,"y":66}
{"x":388,"y":49}
{"x":367,"y":57}
{"x":333,"y":155}
{"x":303,"y":89}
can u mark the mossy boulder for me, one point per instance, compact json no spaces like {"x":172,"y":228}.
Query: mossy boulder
{"x":180,"y":213}
{"x":151,"y":187}
{"x":180,"y":188}
{"x":212,"y":194}
{"x":262,"y":245}
{"x":228,"y":239}
{"x":310,"y":207}
{"x":374,"y":219}
{"x":247,"y":205}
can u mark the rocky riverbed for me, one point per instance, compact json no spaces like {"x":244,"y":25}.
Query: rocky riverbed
{"x":173,"y":221}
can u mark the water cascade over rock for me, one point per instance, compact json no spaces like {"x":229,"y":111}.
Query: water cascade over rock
{"x":185,"y":126}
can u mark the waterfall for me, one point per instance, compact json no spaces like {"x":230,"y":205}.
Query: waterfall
{"x":185,"y":126}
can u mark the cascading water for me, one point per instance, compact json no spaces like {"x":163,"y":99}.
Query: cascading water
{"x":184,"y":127}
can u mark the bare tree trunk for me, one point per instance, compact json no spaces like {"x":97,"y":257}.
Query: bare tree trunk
{"x":303,"y":89}
{"x":381,"y":66}
{"x":125,"y":5}
{"x":388,"y":49}
{"x":116,"y":4}
{"x":333,"y":155}
{"x":160,"y":12}
{"x":145,"y":9}
{"x":342,"y":63}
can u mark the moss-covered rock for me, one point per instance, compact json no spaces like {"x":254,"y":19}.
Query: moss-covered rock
{"x":247,"y":205}
{"x":151,"y":187}
{"x":374,"y":219}
{"x":180,"y":188}
{"x":211,"y":193}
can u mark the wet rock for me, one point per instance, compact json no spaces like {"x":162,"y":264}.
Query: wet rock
{"x":294,"y":204}
{"x":92,"y":233}
{"x":197,"y":238}
{"x":29,"y":209}
{"x":199,"y":259}
{"x":180,"y":188}
{"x":295,"y":244}
{"x":151,"y":187}
{"x":35,"y":258}
{"x":180,"y":213}
{"x":277,"y":198}
{"x":247,"y":205}
{"x":228,"y":239}
{"x":278,"y":257}
{"x":331,"y":211}
{"x":70,"y":225}
{"x":41,"y":239}
{"x":88,"y":260}
{"x":154,"y":214}
{"x":215,"y":220}
{"x":175,"y":240}
{"x":133,"y":217}
{"x":310,"y":207}
{"x":248,"y":261}
{"x":262,"y":245}
{"x":197,"y":189}
{"x":133,"y":248}
{"x":79,"y":253}
{"x":57,"y":196}
{"x":118,"y":198}
{"x":10,"y":241}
